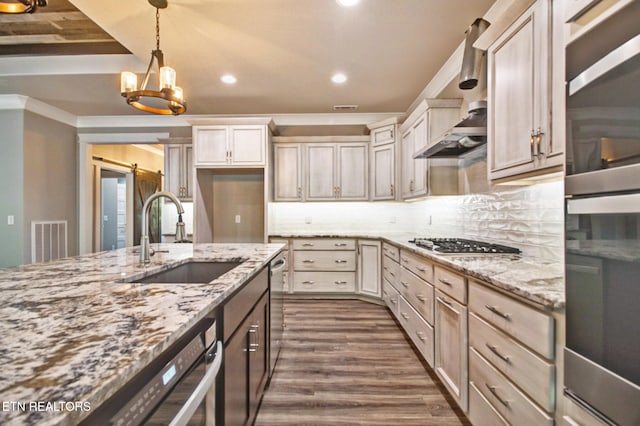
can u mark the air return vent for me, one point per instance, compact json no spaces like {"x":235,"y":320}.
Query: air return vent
{"x":345,"y":107}
{"x":48,"y":240}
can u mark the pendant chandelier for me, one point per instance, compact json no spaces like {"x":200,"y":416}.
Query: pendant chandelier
{"x":21,"y":6}
{"x":168,"y":99}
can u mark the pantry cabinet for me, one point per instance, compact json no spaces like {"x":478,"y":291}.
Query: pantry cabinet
{"x":236,"y":145}
{"x":178,"y":170}
{"x":519,"y":87}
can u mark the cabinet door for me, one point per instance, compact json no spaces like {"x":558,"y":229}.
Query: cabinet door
{"x":258,"y":354}
{"x":353,"y":174}
{"x":287,"y":172}
{"x":187,"y":161}
{"x":236,"y":379}
{"x":369,"y":272}
{"x":173,"y":169}
{"x":383,"y":172}
{"x":247,"y":145}
{"x":518,"y":94}
{"x":210,"y":145}
{"x":321,"y":172}
{"x":383,"y":135}
{"x":420,"y":135}
{"x":451,"y":347}
{"x":407,"y":163}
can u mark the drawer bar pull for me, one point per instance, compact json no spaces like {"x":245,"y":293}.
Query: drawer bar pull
{"x":307,"y":282}
{"x":340,"y":282}
{"x":404,"y":284}
{"x":308,"y":261}
{"x":405,"y":316}
{"x":421,"y":336}
{"x":405,"y":260}
{"x":421,"y":269}
{"x":307,"y":245}
{"x":445,"y":282}
{"x":494,"y":349}
{"x":394,"y":300}
{"x":492,"y":389}
{"x":340,"y":244}
{"x":421,"y":298}
{"x":496,"y":311}
{"x":341,"y":261}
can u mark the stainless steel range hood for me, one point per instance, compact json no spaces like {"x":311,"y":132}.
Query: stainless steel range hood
{"x":464,"y":136}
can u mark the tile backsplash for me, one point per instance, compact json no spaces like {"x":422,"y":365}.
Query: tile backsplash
{"x":530,"y":218}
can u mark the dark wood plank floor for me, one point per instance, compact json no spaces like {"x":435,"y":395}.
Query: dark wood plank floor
{"x":346,"y":362}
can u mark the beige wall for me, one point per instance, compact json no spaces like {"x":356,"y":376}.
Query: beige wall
{"x":130,"y":154}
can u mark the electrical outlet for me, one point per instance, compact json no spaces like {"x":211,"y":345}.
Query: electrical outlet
{"x":237,"y":218}
{"x":307,"y":220}
{"x":392,"y":219}
{"x":10,"y":220}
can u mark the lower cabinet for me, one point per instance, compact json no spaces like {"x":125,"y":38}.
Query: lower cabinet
{"x":369,"y":277}
{"x":246,"y":354}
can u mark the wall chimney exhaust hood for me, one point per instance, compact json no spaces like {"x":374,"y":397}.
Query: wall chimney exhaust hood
{"x":463,"y":137}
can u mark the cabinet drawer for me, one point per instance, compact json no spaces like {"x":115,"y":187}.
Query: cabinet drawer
{"x":418,"y":293}
{"x":420,"y":332}
{"x":305,"y":260}
{"x":324,"y":244}
{"x":390,"y":296}
{"x":334,"y":282}
{"x":508,"y":400}
{"x":531,"y":373}
{"x":530,"y":326}
{"x":391,"y":251}
{"x":418,"y":265}
{"x":451,"y":283}
{"x":481,"y":413}
{"x":391,"y":272}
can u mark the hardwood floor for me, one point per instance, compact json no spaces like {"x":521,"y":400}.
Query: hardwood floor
{"x":346,"y":362}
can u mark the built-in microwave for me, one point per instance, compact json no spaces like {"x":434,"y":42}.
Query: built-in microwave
{"x":602,"y":231}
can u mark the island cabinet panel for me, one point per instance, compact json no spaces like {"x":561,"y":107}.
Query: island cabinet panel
{"x":246,"y":361}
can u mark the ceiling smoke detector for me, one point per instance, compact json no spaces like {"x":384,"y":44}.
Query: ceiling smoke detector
{"x":345,"y":107}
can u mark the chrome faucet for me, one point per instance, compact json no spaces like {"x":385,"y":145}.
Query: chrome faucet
{"x":145,"y":249}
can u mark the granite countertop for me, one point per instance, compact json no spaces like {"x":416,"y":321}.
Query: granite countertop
{"x":540,"y":281}
{"x":73,"y":331}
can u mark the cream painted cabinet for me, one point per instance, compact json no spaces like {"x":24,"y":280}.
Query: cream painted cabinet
{"x":230,"y":145}
{"x":519,"y":98}
{"x":451,"y":337}
{"x":324,"y":265}
{"x":430,"y":119}
{"x":383,"y":171}
{"x":178,"y":170}
{"x":369,"y":270}
{"x":287,"y":183}
{"x":336,"y":171}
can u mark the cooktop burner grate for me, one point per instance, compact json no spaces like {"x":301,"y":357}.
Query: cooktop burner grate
{"x":460,"y":245}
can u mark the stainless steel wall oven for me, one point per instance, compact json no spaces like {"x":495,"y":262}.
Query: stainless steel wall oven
{"x":602,"y":232}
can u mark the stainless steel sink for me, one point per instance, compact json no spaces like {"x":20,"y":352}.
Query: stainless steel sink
{"x":190,"y":272}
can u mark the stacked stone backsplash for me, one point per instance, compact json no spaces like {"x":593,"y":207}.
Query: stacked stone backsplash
{"x":530,"y":218}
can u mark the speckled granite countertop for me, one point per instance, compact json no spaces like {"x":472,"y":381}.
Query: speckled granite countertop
{"x":536,"y":280}
{"x":73,"y":331}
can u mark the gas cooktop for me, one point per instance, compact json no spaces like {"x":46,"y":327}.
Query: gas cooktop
{"x":462,"y":246}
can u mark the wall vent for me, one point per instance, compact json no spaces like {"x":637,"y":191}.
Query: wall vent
{"x":48,"y":240}
{"x":345,"y":107}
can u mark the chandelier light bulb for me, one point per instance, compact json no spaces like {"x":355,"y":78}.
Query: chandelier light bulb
{"x":167,"y":78}
{"x":177,"y":93}
{"x":128,"y":82}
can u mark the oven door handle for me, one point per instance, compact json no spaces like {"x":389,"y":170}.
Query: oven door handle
{"x":190,"y":407}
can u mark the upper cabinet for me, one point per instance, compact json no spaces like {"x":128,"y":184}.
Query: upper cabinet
{"x":520,"y":139}
{"x":430,"y":119}
{"x":287,"y":172}
{"x":231,"y":145}
{"x":382,"y":160}
{"x":178,"y":170}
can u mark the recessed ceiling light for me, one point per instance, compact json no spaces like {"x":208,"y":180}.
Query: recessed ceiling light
{"x":228,"y":79}
{"x":347,"y":3}
{"x":339,"y":78}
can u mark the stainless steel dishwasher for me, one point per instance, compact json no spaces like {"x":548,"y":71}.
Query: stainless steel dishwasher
{"x":178,"y":388}
{"x":276,"y":282}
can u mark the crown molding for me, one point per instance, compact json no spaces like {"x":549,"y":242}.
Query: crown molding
{"x":37,"y":107}
{"x":122,"y":138}
{"x":70,"y":64}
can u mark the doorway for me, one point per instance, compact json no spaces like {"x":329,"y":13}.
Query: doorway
{"x":113,"y":213}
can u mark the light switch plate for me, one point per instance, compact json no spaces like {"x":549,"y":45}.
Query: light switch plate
{"x":10,"y":220}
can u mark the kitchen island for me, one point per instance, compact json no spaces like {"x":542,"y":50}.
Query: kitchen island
{"x":75,"y":330}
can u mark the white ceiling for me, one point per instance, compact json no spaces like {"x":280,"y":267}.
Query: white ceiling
{"x":283,"y":53}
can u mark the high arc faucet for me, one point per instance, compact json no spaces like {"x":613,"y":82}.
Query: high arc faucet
{"x":145,"y":249}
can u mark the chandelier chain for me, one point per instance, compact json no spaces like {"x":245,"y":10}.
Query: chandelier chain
{"x":157,"y":29}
